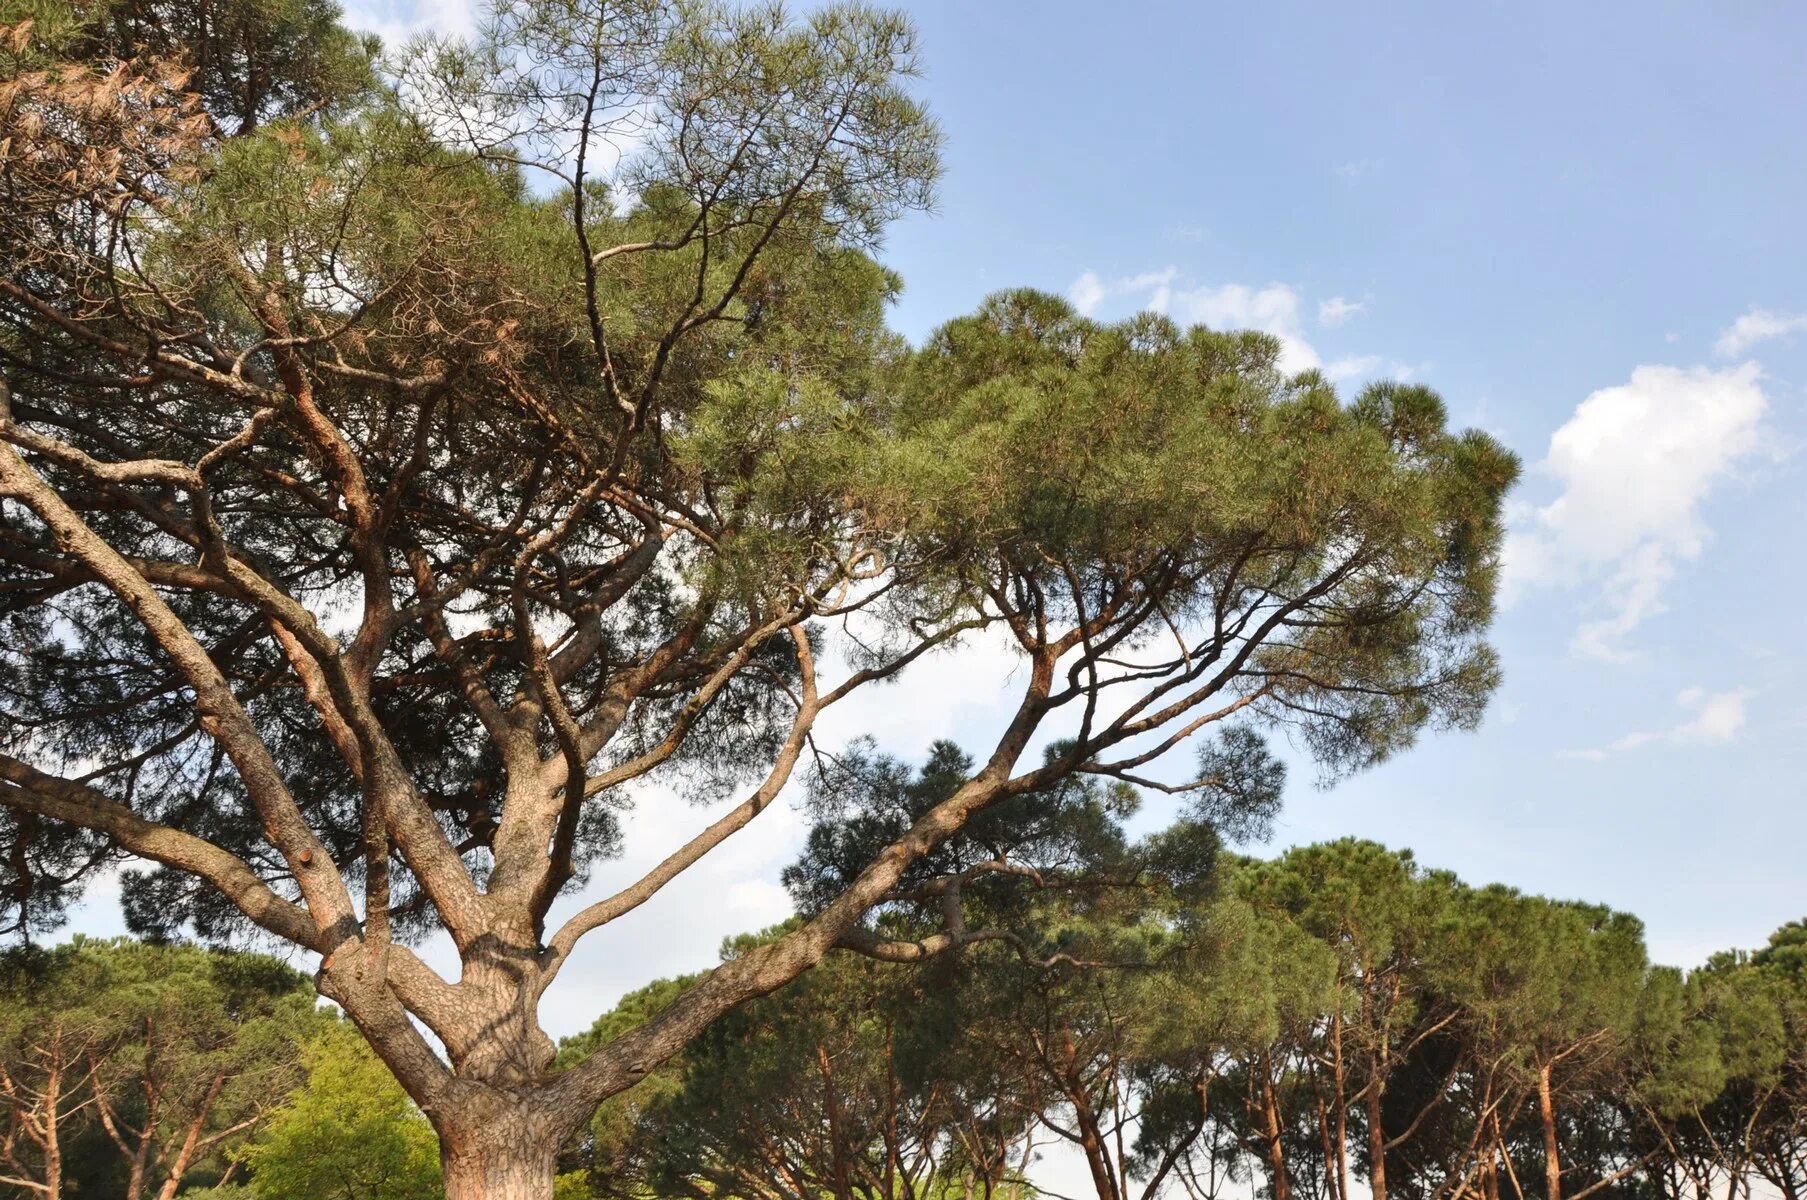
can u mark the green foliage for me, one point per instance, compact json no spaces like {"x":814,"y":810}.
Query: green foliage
{"x":1546,"y":976}
{"x":152,"y":1043}
{"x":348,"y":1133}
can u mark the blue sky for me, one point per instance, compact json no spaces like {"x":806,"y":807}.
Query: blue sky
{"x":1583,"y":225}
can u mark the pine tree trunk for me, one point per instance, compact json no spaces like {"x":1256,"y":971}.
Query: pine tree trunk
{"x":1091,"y":1140}
{"x":509,"y":1159}
{"x":1377,"y":1142}
{"x":1552,"y":1160}
{"x":843,"y":1177}
{"x":185,"y":1156}
{"x":1276,"y":1149}
{"x":1091,"y":1133}
{"x":1342,"y":1106}
{"x":53,"y":1146}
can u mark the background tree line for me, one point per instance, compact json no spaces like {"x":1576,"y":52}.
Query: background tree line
{"x":131,"y":1070}
{"x":1337,"y":1018}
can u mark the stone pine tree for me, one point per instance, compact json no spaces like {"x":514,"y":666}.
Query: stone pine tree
{"x":1556,"y":985}
{"x":402,"y":466}
{"x":1380,"y":913}
{"x":1727,"y":1088}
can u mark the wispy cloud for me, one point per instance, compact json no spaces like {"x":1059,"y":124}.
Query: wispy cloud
{"x":1635,"y":464}
{"x":1354,"y":366}
{"x":1275,"y":308}
{"x":1757,"y":326}
{"x":1338,"y":311}
{"x":1089,"y":291}
{"x":396,"y":21}
{"x":1717,"y":718}
{"x":1271,"y":309}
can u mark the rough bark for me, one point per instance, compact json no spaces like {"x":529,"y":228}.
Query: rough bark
{"x":512,"y":1156}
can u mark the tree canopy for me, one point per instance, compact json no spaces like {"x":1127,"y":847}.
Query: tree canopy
{"x":405,"y":462}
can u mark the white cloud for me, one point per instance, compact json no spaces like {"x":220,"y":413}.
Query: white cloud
{"x":1089,"y":291}
{"x":1757,"y":325}
{"x":1635,"y":464}
{"x":1337,"y":311}
{"x":1355,"y":366}
{"x":1718,"y":716}
{"x":1272,"y":309}
{"x":396,"y":21}
{"x":1276,"y":308}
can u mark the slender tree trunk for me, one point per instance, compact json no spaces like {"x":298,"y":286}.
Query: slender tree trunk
{"x":1503,"y":1155}
{"x":1091,"y":1133}
{"x":1342,"y":1103}
{"x":890,"y":1115}
{"x":137,"y":1148}
{"x":1324,"y":1137}
{"x":53,"y":1145}
{"x":837,"y":1142}
{"x":1091,"y":1140}
{"x":1552,"y":1158}
{"x":1276,"y":1150}
{"x":185,"y":1155}
{"x":135,"y":1182}
{"x":1377,"y":1138}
